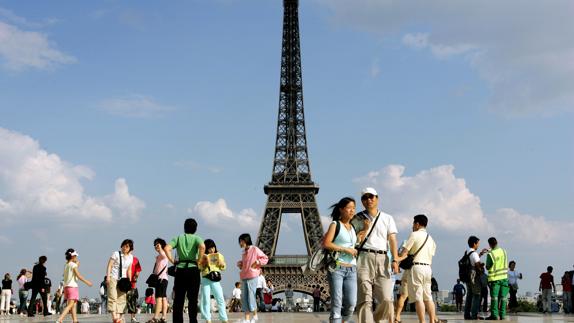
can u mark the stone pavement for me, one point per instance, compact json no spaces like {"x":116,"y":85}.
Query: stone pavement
{"x":302,"y":318}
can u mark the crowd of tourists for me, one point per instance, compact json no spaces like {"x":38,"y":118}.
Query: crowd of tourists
{"x":364,"y":254}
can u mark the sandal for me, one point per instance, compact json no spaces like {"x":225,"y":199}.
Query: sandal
{"x":153,"y":320}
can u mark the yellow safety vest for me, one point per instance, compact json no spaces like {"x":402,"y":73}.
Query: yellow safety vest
{"x":499,"y":269}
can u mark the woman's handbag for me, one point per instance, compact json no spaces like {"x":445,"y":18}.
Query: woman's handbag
{"x":124,"y":284}
{"x":153,"y":279}
{"x":408,"y":262}
{"x":214,"y":276}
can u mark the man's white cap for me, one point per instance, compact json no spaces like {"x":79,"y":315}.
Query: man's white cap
{"x":369,"y":190}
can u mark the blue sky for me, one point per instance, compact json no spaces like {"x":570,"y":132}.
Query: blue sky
{"x":121,"y":119}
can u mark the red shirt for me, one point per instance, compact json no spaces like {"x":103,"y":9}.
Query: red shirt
{"x":566,"y":284}
{"x":546,"y":280}
{"x":136,"y":269}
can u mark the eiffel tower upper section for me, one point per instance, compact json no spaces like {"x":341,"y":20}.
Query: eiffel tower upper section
{"x":291,"y":162}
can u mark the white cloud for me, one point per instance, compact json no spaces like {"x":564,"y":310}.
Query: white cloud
{"x":36,"y":183}
{"x":134,"y":106}
{"x":217,"y":214}
{"x":436,"y":192}
{"x":452,"y":207}
{"x":127,"y":205}
{"x":8,"y":15}
{"x":527,"y":63}
{"x":421,"y":41}
{"x":21,"y":49}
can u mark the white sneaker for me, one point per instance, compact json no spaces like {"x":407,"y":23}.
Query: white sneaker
{"x":255,"y":317}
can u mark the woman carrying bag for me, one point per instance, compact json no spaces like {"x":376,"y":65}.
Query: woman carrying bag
{"x":118,"y":273}
{"x":211,"y":265}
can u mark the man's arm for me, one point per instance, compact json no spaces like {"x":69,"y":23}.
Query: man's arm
{"x":167,"y":249}
{"x":393,"y":245}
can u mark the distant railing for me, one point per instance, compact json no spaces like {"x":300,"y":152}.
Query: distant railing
{"x":288,"y":260}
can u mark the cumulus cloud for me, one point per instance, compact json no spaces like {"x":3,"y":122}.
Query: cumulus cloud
{"x":126,"y":204}
{"x":21,"y":50}
{"x":134,"y":106}
{"x":452,"y":207}
{"x":36,"y":183}
{"x":436,"y":192}
{"x":527,"y":63}
{"x":220,"y":215}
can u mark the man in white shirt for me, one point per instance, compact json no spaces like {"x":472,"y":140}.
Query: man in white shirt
{"x":474,"y":286}
{"x":372,"y":257}
{"x":513,"y":277}
{"x":261,"y":288}
{"x":422,"y":247}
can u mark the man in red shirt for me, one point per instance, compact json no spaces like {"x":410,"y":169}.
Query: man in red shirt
{"x":133,"y":295}
{"x":547,"y":287}
{"x":567,"y":292}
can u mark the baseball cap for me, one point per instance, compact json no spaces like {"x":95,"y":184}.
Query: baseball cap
{"x":369,"y":190}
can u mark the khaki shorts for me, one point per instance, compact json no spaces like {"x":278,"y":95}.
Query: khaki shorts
{"x":419,"y":283}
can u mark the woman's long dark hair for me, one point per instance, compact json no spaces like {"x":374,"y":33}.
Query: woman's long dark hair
{"x":209,"y":244}
{"x":22,"y":273}
{"x":336,"y":213}
{"x":246,"y":238}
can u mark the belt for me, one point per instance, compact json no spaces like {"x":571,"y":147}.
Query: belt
{"x":380,"y":252}
{"x":420,"y":263}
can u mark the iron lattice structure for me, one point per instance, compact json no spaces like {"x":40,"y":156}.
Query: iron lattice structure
{"x":291,"y":189}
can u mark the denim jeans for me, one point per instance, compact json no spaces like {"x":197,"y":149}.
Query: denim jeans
{"x":23,"y":294}
{"x":472,"y":303}
{"x":343,"y":288}
{"x":248,"y":290}
{"x":209,"y":288}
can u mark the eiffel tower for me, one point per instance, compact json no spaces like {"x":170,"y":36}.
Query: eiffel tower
{"x":291,"y":189}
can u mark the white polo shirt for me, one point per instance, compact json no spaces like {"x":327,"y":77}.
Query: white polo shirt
{"x":384,"y":228}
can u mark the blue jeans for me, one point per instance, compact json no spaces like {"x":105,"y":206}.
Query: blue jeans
{"x":248,"y":290}
{"x":23,"y":294}
{"x":472,"y":303}
{"x":209,"y":288}
{"x":343,"y":288}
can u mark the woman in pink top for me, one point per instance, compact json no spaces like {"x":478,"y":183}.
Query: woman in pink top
{"x":250,"y":264}
{"x":160,"y":269}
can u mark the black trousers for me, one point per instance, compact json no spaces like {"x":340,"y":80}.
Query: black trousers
{"x":513,"y":303}
{"x":316,"y":304}
{"x":32,"y":306}
{"x":186,"y":283}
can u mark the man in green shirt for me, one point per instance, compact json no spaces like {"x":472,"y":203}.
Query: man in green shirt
{"x":497,"y":265}
{"x":189,"y":248}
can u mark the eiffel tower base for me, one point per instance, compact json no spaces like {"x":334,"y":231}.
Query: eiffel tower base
{"x":282,"y":275}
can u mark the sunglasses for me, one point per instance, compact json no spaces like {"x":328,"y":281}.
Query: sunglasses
{"x":367,"y":197}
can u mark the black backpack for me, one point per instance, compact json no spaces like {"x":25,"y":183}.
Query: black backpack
{"x":464,"y":267}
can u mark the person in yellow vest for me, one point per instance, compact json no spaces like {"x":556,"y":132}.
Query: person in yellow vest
{"x":497,"y":265}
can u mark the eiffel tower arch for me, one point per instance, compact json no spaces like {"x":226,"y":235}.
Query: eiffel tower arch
{"x":291,"y":189}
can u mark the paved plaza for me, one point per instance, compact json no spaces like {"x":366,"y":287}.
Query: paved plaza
{"x":303,"y":318}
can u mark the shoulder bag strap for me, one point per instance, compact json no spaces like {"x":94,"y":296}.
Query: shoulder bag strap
{"x":414,"y":255}
{"x":120,"y":271}
{"x":370,"y":231}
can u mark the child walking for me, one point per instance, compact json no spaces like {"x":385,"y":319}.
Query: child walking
{"x":71,"y":277}
{"x":250,"y":264}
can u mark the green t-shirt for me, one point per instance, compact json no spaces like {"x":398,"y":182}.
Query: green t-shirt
{"x":187,"y":246}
